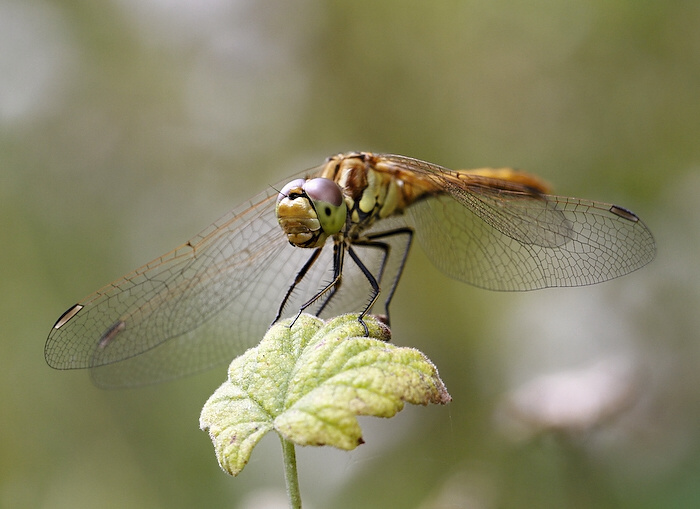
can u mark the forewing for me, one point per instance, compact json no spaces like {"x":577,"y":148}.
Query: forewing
{"x":499,"y":237}
{"x":199,"y":305}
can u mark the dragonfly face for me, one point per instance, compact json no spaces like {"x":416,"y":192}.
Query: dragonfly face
{"x":310,"y":210}
{"x":211,"y":298}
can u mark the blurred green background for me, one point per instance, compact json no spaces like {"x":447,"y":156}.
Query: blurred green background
{"x":127,"y":126}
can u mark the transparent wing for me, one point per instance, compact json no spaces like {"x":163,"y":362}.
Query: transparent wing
{"x":219,"y":284}
{"x":498,"y":237}
{"x":199,"y":305}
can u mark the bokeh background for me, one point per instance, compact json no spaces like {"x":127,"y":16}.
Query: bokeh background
{"x":126,"y":126}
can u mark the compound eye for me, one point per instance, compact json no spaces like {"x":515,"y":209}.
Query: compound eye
{"x":328,"y":201}
{"x":293,"y":187}
{"x":324,"y":190}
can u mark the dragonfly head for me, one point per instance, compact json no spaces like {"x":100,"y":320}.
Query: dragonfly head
{"x":309,"y":211}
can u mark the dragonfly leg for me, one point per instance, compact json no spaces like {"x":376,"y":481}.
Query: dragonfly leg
{"x":385,"y":248}
{"x":338,"y":258}
{"x":332,"y":287}
{"x":371,"y":241}
{"x":373,"y":283}
{"x":299,"y":277}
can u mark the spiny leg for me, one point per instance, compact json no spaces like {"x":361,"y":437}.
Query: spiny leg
{"x":332,"y":288}
{"x":299,"y":277}
{"x":371,"y":242}
{"x":373,"y":283}
{"x":338,"y":259}
{"x":385,"y":248}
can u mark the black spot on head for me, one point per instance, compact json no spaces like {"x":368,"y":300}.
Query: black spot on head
{"x":327,"y":210}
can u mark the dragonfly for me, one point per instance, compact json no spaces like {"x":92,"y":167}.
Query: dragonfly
{"x":327,"y":241}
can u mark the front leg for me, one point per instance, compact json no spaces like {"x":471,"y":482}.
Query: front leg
{"x":299,"y":277}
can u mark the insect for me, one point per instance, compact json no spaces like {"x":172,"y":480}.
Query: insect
{"x":285,"y":252}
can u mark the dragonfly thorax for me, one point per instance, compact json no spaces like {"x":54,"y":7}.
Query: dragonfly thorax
{"x":370,"y":195}
{"x":309,"y":211}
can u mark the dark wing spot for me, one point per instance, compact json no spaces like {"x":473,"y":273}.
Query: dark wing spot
{"x":624,"y":213}
{"x":65,"y":317}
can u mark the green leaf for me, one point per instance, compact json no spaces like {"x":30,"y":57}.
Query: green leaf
{"x":310,"y":382}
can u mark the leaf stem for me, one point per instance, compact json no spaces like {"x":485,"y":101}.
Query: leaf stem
{"x":290,"y":474}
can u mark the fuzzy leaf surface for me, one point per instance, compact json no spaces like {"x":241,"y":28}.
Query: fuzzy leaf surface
{"x":310,"y":382}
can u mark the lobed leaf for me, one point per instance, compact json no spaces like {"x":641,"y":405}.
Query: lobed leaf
{"x":310,"y":382}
